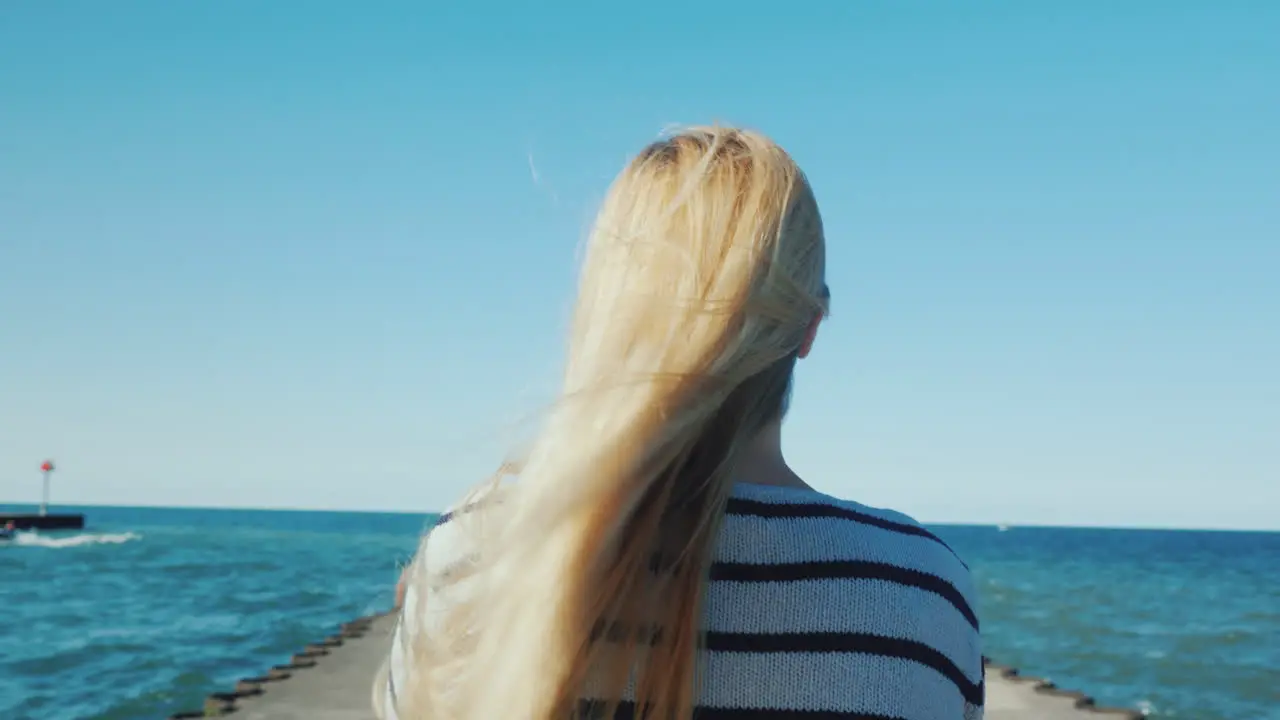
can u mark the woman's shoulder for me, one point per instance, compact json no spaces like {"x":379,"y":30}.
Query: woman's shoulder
{"x":843,"y":574}
{"x":805,"y":525}
{"x":776,"y":502}
{"x":801,"y":502}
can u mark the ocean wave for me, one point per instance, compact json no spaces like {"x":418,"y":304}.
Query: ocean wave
{"x":30,"y":539}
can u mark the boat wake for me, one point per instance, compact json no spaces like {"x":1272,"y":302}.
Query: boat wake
{"x":30,"y":539}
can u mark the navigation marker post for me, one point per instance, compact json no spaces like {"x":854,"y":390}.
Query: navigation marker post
{"x":46,"y":469}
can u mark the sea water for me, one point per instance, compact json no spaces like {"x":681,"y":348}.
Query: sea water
{"x":1181,"y":624}
{"x":149,"y":610}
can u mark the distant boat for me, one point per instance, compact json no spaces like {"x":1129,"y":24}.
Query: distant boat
{"x":1002,"y":528}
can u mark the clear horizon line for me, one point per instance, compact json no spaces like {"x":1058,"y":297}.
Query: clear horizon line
{"x":370,"y":511}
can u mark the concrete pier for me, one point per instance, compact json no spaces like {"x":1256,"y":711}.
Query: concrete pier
{"x":1013,"y":696}
{"x":333,"y":680}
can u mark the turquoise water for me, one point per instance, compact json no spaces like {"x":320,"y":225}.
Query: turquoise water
{"x":149,"y":610}
{"x":1181,"y":624}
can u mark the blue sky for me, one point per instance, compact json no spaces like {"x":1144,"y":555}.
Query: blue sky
{"x":320,"y":255}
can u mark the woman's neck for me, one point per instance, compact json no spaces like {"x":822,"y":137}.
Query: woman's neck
{"x":762,"y":462}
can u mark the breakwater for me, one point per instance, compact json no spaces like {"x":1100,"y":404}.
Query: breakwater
{"x":35,"y":521}
{"x":1014,"y":696}
{"x":332,"y":679}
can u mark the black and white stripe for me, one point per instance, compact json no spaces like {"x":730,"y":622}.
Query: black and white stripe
{"x":885,"y":520}
{"x":818,"y":609}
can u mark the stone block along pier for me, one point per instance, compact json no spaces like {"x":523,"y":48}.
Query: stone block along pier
{"x":332,"y":679}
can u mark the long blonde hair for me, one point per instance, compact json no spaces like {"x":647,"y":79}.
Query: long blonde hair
{"x":702,"y":277}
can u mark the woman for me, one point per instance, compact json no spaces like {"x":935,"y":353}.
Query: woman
{"x":656,"y":551}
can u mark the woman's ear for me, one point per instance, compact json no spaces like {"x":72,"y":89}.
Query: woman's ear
{"x":809,"y":336}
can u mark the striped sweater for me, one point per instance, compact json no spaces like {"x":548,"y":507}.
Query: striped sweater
{"x":817,"y":609}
